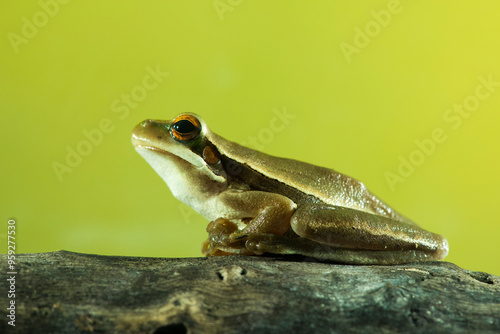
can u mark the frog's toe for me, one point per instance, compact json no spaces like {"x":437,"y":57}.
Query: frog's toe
{"x":254,"y":246}
{"x":238,"y":236}
{"x":221,"y":225}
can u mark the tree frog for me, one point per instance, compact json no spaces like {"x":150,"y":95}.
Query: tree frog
{"x":257,"y":203}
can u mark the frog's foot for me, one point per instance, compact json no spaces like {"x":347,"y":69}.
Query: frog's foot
{"x":259,"y":244}
{"x":220,"y":230}
{"x":224,"y":239}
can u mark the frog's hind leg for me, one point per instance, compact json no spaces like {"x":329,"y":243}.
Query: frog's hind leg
{"x":365,"y":237}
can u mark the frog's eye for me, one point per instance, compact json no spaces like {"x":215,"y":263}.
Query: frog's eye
{"x":185,"y":128}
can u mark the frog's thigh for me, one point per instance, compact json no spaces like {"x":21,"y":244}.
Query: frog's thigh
{"x":346,"y":228}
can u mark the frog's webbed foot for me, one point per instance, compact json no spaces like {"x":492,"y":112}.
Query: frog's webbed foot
{"x":224,"y":238}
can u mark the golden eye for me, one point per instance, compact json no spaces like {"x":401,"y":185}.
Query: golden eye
{"x":185,"y":127}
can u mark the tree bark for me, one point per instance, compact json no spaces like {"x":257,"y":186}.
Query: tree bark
{"x":65,"y":292}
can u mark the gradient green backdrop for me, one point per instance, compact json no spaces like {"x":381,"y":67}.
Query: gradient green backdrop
{"x":364,"y":84}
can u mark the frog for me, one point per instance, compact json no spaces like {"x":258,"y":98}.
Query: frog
{"x":260,"y":204}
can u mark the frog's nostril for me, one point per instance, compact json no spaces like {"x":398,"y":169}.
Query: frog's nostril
{"x":146,"y":122}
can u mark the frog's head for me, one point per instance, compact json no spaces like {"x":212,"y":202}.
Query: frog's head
{"x":179,"y":151}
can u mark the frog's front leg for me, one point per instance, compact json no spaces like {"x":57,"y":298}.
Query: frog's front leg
{"x":264,"y":213}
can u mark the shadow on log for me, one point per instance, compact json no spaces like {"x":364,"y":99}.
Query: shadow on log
{"x":65,"y":292}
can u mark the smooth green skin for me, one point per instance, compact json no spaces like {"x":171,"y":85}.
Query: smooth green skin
{"x":259,"y":204}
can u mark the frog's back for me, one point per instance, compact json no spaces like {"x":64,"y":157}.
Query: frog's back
{"x":323,"y":184}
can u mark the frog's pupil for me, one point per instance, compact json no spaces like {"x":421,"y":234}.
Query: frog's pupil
{"x":184,"y":126}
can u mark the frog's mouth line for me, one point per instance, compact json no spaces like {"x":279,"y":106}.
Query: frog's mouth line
{"x":170,"y":155}
{"x":140,"y":142}
{"x":154,"y":149}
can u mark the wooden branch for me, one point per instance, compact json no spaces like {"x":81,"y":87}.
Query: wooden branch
{"x":65,"y":292}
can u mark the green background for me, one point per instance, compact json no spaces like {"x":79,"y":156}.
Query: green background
{"x":363,"y":88}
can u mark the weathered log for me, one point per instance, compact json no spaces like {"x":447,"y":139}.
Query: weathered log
{"x":65,"y":292}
